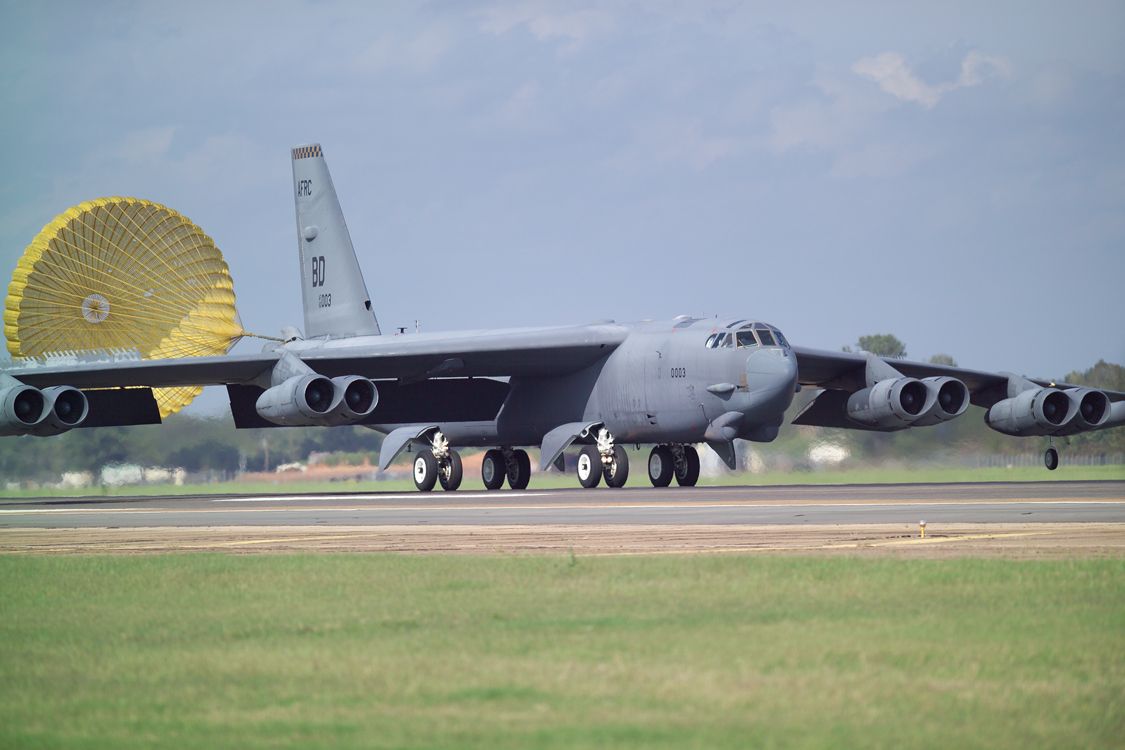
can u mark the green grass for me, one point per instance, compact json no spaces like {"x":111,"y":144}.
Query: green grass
{"x":385,"y":651}
{"x":552,"y":480}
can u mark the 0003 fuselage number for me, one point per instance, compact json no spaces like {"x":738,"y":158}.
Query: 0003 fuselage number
{"x":679,"y":372}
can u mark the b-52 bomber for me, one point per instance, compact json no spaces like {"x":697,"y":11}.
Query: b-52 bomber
{"x":671,"y":384}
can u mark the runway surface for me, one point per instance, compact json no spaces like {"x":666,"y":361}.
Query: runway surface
{"x":984,"y":503}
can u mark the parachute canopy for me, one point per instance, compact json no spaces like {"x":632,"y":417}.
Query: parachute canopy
{"x":123,"y":274}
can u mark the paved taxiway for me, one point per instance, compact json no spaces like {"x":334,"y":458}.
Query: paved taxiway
{"x":984,"y":503}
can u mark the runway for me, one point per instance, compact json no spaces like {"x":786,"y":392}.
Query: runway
{"x":1031,"y":502}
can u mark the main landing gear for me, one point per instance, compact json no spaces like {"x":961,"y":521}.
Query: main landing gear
{"x":505,"y":463}
{"x":603,"y":459}
{"x":676,"y":460}
{"x":437,"y":463}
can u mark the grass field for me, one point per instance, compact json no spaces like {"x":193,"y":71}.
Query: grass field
{"x":552,"y":480}
{"x":439,"y":652}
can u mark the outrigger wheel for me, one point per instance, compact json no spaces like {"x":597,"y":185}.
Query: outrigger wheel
{"x":123,"y":274}
{"x":1051,"y":459}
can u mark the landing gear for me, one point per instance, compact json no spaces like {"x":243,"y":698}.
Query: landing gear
{"x":617,"y":470}
{"x":451,"y":474}
{"x":493,"y":469}
{"x":589,"y":467}
{"x":504,"y":463}
{"x":603,"y":458}
{"x":425,"y":471}
{"x":437,"y":462}
{"x":687,"y":465}
{"x":661,"y":466}
{"x":1051,"y":459}
{"x":518,"y":468}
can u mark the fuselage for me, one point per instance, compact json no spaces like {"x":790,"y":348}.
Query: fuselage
{"x":681,"y":381}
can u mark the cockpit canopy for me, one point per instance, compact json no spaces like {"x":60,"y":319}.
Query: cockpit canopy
{"x":749,"y":334}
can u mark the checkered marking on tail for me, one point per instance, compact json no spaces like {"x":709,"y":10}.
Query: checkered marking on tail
{"x":307,"y":152}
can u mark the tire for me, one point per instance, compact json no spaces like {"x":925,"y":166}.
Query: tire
{"x":661,"y":466}
{"x":425,"y":470}
{"x":493,"y":470}
{"x":519,"y":473}
{"x":1051,"y":459}
{"x":689,"y":475}
{"x":456,"y":473}
{"x":617,"y":473}
{"x":589,"y":467}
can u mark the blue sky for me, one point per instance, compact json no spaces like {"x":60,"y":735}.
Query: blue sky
{"x":953,"y":173}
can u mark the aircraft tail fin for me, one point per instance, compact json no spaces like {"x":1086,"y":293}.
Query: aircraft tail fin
{"x":336,"y":300}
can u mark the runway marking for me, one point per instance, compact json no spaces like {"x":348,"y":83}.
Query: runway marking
{"x":404,"y":496}
{"x":582,"y":506}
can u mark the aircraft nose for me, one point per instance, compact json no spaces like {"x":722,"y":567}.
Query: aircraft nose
{"x":771,"y":368}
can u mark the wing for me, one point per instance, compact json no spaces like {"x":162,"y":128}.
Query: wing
{"x":512,"y":352}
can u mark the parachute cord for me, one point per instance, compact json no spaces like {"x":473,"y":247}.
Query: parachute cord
{"x":249,"y":335}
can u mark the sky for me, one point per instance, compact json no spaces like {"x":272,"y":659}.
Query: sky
{"x":952,"y":173}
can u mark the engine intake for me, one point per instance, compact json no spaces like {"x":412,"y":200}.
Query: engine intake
{"x":948,"y":398}
{"x":1036,"y":411}
{"x":65,"y":408}
{"x":22,"y":407}
{"x":359,"y":397}
{"x":302,"y":400}
{"x":891,"y":404}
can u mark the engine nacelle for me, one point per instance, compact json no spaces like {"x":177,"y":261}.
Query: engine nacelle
{"x":65,"y":407}
{"x":22,"y":408}
{"x":358,"y":398}
{"x":891,"y":404}
{"x":302,"y":400}
{"x":947,"y":399}
{"x":1036,"y":411}
{"x":1091,"y":411}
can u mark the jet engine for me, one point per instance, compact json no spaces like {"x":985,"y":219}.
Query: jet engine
{"x":1091,"y":411}
{"x":359,"y":397}
{"x":64,"y":407}
{"x":300,"y":400}
{"x":1036,"y":411}
{"x":889,"y":404}
{"x":305,"y":400}
{"x":22,"y":408}
{"x":948,"y":398}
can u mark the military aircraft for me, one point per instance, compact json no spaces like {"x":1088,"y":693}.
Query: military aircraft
{"x":671,"y":384}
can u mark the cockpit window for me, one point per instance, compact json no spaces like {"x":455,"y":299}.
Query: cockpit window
{"x":726,"y":341}
{"x":767,"y":338}
{"x":780,"y":339}
{"x":712,"y":340}
{"x":746,"y":338}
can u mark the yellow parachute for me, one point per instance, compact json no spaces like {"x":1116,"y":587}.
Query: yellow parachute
{"x":123,"y":274}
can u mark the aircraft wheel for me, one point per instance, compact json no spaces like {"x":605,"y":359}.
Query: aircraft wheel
{"x":519,"y":470}
{"x":425,"y":470}
{"x":589,"y":467}
{"x":451,"y":476}
{"x":493,"y":469}
{"x":687,"y":474}
{"x":661,"y":466}
{"x":617,"y":473}
{"x":1051,"y":459}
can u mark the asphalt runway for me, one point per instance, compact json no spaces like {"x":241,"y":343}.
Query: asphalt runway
{"x":805,"y":505}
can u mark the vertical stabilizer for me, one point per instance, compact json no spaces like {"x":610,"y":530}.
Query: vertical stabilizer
{"x":336,"y":300}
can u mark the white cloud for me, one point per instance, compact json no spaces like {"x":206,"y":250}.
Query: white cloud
{"x":417,"y":54}
{"x":547,"y":23}
{"x":895,"y":76}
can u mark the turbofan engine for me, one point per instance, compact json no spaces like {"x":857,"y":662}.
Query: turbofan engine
{"x":306,"y":400}
{"x":1036,"y":411}
{"x":25,"y":410}
{"x":890,"y":404}
{"x":948,"y":398}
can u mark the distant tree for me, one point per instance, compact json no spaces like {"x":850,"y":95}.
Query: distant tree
{"x":883,"y":344}
{"x":943,"y":359}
